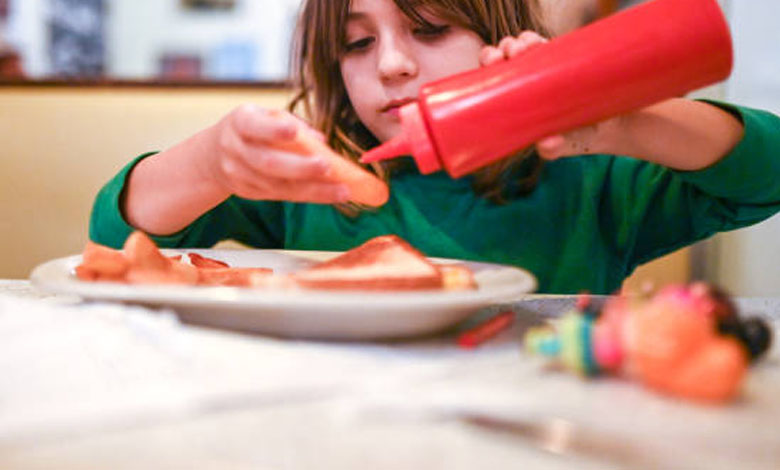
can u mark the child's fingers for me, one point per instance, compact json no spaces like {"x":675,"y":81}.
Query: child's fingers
{"x":490,"y":55}
{"x":531,"y":38}
{"x":278,"y":189}
{"x":270,"y":162}
{"x":320,"y":193}
{"x":581,"y":141}
{"x":559,"y":146}
{"x":509,"y":47}
{"x":306,"y":127}
{"x":257,"y":142}
{"x":525,"y":41}
{"x":243,"y":155}
{"x":261,"y":161}
{"x":551,"y":148}
{"x":507,"y":44}
{"x":364,"y":187}
{"x":258,"y":124}
{"x":270,"y":125}
{"x":512,"y":46}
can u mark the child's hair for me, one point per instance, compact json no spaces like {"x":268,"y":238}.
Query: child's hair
{"x":320,"y":42}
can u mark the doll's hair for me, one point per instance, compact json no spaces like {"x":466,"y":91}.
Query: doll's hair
{"x":322,"y":97}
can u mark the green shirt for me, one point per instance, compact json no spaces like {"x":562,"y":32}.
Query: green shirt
{"x":590,"y":222}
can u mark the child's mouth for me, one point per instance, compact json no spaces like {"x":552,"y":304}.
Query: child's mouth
{"x":393,"y":108}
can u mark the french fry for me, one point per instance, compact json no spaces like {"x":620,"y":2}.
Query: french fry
{"x":141,"y":262}
{"x":240,"y":277}
{"x":184,"y":273}
{"x":364,"y":187}
{"x":101,"y":261}
{"x":143,"y":254}
{"x":205,"y":262}
{"x":85,"y":273}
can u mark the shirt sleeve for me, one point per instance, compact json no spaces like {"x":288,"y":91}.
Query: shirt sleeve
{"x":255,"y":223}
{"x":674,"y":208}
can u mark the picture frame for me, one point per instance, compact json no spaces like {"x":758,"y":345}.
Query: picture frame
{"x":223,"y":5}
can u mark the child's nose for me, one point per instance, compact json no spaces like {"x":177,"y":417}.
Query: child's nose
{"x":396,"y":60}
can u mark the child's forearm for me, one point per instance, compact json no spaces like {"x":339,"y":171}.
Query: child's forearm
{"x":677,"y":133}
{"x":167,"y":192}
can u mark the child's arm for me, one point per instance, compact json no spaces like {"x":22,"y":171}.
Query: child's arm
{"x":240,"y":155}
{"x":677,"y":133}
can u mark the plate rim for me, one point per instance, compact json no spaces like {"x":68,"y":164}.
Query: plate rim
{"x":175,"y":297}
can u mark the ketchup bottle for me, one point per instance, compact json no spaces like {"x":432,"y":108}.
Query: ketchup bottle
{"x":632,"y":59}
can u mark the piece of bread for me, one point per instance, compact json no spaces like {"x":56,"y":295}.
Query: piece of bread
{"x":382,"y":263}
{"x":457,"y":277}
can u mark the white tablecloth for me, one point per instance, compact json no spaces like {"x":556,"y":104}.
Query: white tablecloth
{"x":113,"y":386}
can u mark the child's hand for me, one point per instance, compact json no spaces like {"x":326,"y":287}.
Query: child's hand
{"x":510,"y":47}
{"x":585,"y":140}
{"x":252,"y":155}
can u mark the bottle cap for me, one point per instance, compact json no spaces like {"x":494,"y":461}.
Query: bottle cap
{"x":413,"y":140}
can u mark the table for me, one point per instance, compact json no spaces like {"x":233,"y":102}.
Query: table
{"x":121,"y":387}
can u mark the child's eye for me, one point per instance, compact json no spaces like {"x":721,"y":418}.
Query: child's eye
{"x":432,"y":31}
{"x":358,"y":44}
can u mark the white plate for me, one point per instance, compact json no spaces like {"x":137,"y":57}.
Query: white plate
{"x":300,"y":313}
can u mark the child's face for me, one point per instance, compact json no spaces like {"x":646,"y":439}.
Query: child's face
{"x":388,"y":57}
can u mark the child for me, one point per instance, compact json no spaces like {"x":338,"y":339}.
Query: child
{"x":577,"y":223}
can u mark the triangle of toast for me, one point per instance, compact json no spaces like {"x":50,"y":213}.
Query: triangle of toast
{"x":386,"y":262}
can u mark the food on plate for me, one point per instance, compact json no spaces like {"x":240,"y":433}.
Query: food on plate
{"x":100,"y":262}
{"x":685,"y":340}
{"x":204,"y":262}
{"x":382,"y":263}
{"x":141,"y":262}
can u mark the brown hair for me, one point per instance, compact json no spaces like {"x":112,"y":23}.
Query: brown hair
{"x":321,"y":92}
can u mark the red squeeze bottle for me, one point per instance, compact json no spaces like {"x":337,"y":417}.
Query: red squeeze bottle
{"x":632,"y":59}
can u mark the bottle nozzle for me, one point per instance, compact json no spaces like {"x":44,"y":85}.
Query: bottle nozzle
{"x":394,"y":147}
{"x":412,"y":140}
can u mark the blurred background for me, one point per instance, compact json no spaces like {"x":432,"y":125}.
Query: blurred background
{"x":85,"y":85}
{"x":223,"y":40}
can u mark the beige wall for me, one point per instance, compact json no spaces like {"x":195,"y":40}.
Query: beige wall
{"x":60,"y":145}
